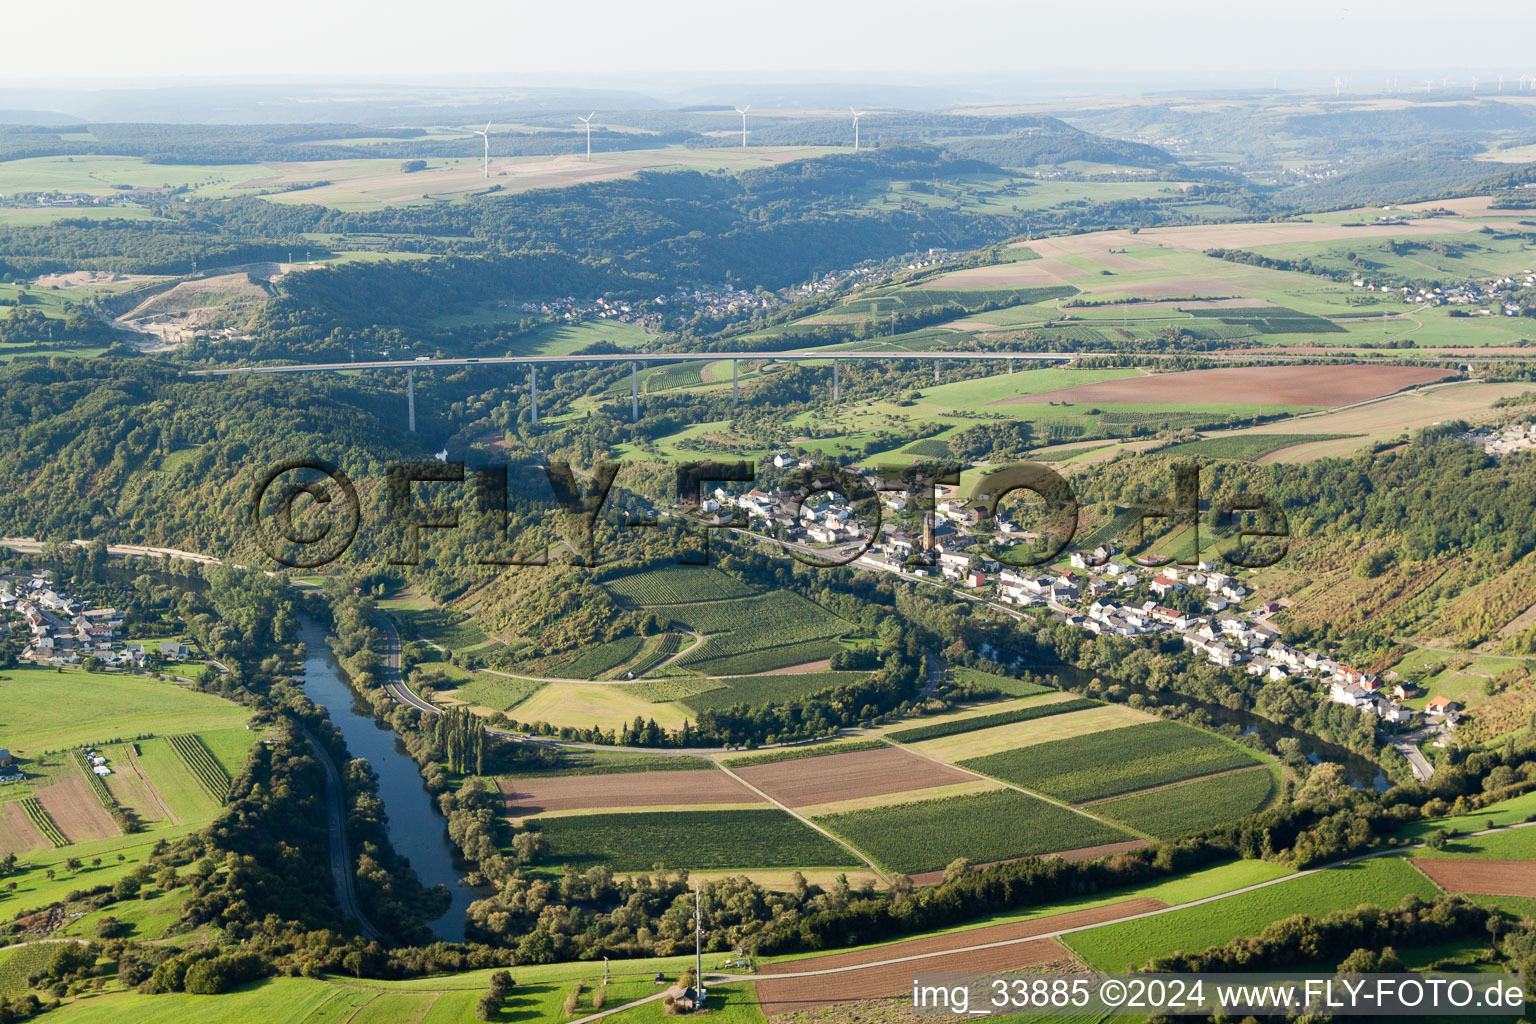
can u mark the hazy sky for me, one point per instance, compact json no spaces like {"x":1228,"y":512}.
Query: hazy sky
{"x":96,"y":40}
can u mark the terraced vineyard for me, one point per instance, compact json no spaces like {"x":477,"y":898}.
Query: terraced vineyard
{"x":1114,"y":762}
{"x":1002,"y":684}
{"x":593,"y":662}
{"x":1004,"y":823}
{"x":740,"y":655}
{"x":1192,"y":807}
{"x":676,"y":584}
{"x":663,"y":691}
{"x":950,"y":728}
{"x":204,"y":768}
{"x":451,"y":629}
{"x":41,"y":820}
{"x":662,"y":648}
{"x":691,"y":839}
{"x":96,"y":782}
{"x":20,"y":964}
{"x":756,"y":691}
{"x":1245,"y":446}
{"x":757,"y":634}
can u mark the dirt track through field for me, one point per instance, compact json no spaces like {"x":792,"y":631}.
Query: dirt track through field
{"x":640,"y":789}
{"x":159,"y":801}
{"x":75,"y":809}
{"x":1321,"y":386}
{"x":1484,"y":877}
{"x":819,"y":780}
{"x":789,"y":994}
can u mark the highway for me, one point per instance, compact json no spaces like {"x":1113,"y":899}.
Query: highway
{"x":824,"y":356}
{"x":646,"y":357}
{"x":394,"y":683}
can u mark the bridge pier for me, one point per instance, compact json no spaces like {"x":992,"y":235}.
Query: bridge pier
{"x":834,"y":382}
{"x":634,"y":392}
{"x":735,"y":384}
{"x":410,"y":398}
{"x":533,"y":391}
{"x":936,"y":370}
{"x":1010,"y":366}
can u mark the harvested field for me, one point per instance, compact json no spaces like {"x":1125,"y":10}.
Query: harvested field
{"x":788,"y":994}
{"x":75,"y":809}
{"x":1484,"y":877}
{"x":816,"y":780}
{"x":1082,"y":853}
{"x":1200,"y":237}
{"x":16,"y":833}
{"x":1325,"y":386}
{"x":1024,"y":734}
{"x":908,"y":796}
{"x":1041,"y":273}
{"x":635,"y":789}
{"x":1359,"y":427}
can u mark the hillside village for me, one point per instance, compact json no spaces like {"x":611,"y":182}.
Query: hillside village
{"x":1093,"y":590}
{"x":64,"y":630}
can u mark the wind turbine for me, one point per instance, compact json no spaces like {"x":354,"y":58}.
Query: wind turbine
{"x":743,"y":112}
{"x":486,"y":135}
{"x":856,"y":115}
{"x":1428,"y":84}
{"x":1338,"y":84}
{"x":588,"y":122}
{"x":1474,"y":85}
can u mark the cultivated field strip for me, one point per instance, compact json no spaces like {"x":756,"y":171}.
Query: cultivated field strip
{"x":208,"y":772}
{"x":96,"y":782}
{"x":42,"y":821}
{"x":802,"y":782}
{"x":526,"y":797}
{"x":1114,"y":762}
{"x":676,"y":585}
{"x":853,"y":980}
{"x":1484,"y":877}
{"x":1168,"y":812}
{"x":959,"y":725}
{"x":1001,"y":824}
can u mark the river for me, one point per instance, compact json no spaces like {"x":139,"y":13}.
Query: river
{"x":417,"y":830}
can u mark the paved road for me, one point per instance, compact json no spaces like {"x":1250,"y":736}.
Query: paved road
{"x":723,"y":978}
{"x":394,"y":685}
{"x":341,"y":857}
{"x":794,"y":356}
{"x":652,"y":357}
{"x":1422,"y":769}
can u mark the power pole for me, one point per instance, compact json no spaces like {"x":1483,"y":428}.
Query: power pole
{"x":410,"y":398}
{"x":698,"y":949}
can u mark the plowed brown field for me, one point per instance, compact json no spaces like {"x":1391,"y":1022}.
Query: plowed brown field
{"x":16,"y":833}
{"x":785,"y":995}
{"x":75,"y":809}
{"x":819,"y":780}
{"x":1484,"y":877}
{"x":640,"y":789}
